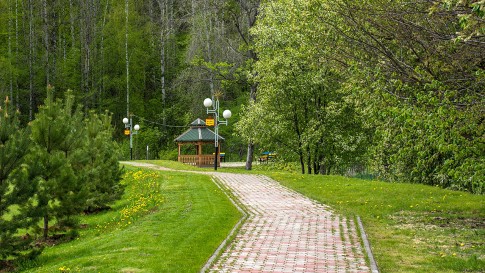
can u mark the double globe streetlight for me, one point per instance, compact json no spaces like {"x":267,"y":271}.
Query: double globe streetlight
{"x":215,"y":110}
{"x":129,"y":126}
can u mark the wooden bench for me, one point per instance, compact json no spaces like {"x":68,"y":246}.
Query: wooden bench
{"x":266,"y":157}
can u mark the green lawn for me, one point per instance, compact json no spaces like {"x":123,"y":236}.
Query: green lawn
{"x":172,"y":222}
{"x":411,"y":227}
{"x":166,"y":222}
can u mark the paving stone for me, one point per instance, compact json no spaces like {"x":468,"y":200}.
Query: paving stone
{"x":287,"y":232}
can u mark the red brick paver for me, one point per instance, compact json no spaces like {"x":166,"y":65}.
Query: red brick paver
{"x":287,"y":232}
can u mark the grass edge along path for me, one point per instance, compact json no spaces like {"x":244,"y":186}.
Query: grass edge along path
{"x":411,"y":227}
{"x":244,"y":216}
{"x":177,"y":231}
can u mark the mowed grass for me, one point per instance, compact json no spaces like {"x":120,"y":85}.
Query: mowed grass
{"x":166,"y":222}
{"x":411,"y":228}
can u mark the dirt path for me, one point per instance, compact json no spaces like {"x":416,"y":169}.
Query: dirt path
{"x":285,"y":231}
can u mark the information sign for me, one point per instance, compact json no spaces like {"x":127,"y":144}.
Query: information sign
{"x":209,"y":121}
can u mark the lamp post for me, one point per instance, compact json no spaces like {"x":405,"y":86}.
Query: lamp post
{"x":215,"y":110}
{"x":130,"y":127}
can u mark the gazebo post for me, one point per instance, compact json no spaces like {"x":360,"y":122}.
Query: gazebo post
{"x":199,"y":153}
{"x":179,"y":152}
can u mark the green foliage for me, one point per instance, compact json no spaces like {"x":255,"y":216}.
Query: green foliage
{"x":302,"y":110}
{"x":470,"y":15}
{"x":74,"y":162}
{"x":62,"y":164}
{"x":57,"y":134}
{"x":16,"y":191}
{"x":435,"y":146}
{"x":353,"y":69}
{"x":333,"y":80}
{"x":421,"y":94}
{"x":96,"y":163}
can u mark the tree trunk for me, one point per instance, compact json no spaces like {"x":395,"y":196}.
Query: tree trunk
{"x":9,"y":33}
{"x":46,"y":227}
{"x":101,"y":72}
{"x":127,"y":63}
{"x":250,"y":154}
{"x":46,"y":41}
{"x":249,"y":158}
{"x":252,"y":15}
{"x":71,"y":14}
{"x":323,"y":171}
{"x":31,"y":60}
{"x":209,"y":46}
{"x":302,"y":161}
{"x":163,"y":25}
{"x":16,"y":49}
{"x":300,"y":145}
{"x":309,"y":161}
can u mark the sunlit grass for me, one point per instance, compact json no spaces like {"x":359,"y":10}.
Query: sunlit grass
{"x":166,"y":222}
{"x":411,"y":227}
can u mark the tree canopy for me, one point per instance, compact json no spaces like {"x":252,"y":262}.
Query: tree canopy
{"x":394,"y":88}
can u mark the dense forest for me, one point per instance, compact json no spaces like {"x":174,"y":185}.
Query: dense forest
{"x":392,"y":88}
{"x":155,"y":60}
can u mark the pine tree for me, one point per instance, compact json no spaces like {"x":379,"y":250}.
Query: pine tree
{"x":57,"y":135}
{"x":97,"y":163}
{"x":16,"y":191}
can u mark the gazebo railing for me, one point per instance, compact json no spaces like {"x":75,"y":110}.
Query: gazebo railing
{"x":198,"y":160}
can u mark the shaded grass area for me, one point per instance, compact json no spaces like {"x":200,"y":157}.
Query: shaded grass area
{"x":412,"y":228}
{"x":166,"y":222}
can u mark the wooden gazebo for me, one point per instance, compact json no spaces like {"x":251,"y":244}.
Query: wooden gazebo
{"x":198,"y":135}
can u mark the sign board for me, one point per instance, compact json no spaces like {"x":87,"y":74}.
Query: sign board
{"x":127,"y":132}
{"x":209,"y":121}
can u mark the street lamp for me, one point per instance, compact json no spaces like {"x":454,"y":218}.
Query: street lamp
{"x":226,"y":114}
{"x":129,"y":126}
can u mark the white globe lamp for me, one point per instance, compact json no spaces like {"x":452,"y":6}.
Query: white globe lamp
{"x":207,"y":103}
{"x":227,"y":114}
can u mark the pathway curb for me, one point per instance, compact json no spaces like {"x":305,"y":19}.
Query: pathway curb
{"x":231,"y":234}
{"x":373,"y":264}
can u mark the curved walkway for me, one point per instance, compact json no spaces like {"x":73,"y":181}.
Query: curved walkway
{"x":286,"y":231}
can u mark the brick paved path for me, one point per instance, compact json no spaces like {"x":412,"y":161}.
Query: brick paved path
{"x":287,"y":232}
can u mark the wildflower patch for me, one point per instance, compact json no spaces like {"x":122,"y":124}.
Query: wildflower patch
{"x":143,"y":194}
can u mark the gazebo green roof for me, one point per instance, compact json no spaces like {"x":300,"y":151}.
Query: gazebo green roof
{"x":198,"y":132}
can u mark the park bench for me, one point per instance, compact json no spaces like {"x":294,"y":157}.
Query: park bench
{"x":266,"y":157}
{"x":222,"y":156}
